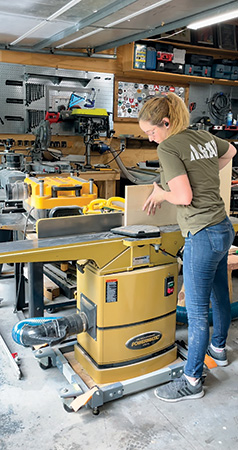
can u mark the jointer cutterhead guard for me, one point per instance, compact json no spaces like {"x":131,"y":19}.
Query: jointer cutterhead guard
{"x":126,"y":292}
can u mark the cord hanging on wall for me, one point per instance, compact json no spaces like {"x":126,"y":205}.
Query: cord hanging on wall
{"x":219,"y":105}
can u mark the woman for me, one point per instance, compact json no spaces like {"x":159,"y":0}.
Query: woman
{"x":191,"y":161}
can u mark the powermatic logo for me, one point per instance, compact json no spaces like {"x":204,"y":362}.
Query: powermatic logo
{"x":144,"y":340}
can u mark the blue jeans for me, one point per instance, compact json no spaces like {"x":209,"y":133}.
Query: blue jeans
{"x":205,"y":280}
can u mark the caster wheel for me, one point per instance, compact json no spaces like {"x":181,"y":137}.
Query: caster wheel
{"x":95,"y":411}
{"x":52,"y":310}
{"x":67,"y":408}
{"x":46,"y":366}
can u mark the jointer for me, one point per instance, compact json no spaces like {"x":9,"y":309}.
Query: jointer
{"x":126,"y":306}
{"x":126,"y":301}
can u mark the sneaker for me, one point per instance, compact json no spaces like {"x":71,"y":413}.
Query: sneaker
{"x":179,"y":389}
{"x":219,"y":357}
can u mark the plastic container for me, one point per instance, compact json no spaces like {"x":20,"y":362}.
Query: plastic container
{"x":229,"y":120}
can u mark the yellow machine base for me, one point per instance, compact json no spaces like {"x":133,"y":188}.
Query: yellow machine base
{"x":132,"y":321}
{"x":123,"y":373}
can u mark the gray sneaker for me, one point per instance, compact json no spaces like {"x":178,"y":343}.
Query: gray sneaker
{"x":219,"y":357}
{"x":179,"y":389}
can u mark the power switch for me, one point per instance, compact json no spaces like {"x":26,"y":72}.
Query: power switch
{"x":169,"y":286}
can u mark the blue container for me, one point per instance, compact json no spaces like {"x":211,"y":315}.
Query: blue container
{"x":234,"y":73}
{"x":199,"y":71}
{"x":151,"y":60}
{"x":221,"y":71}
{"x":229,"y":119}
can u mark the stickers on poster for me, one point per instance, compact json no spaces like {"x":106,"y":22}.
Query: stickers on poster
{"x":132,"y":96}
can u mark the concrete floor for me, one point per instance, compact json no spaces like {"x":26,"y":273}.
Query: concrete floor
{"x":32,"y":415}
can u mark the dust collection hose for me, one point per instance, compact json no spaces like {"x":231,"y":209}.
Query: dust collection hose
{"x":44,"y":330}
{"x":128,"y":175}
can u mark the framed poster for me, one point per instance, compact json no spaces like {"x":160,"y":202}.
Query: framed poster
{"x":206,"y":37}
{"x":130,"y":97}
{"x":227,"y":36}
{"x":178,"y":35}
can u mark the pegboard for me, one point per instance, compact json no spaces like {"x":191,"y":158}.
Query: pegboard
{"x":27,"y":92}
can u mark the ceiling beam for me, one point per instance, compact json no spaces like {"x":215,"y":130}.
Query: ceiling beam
{"x":60,"y":52}
{"x":168,"y":27}
{"x":101,"y":14}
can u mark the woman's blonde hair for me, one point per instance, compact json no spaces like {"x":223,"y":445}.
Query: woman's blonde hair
{"x":171,"y":106}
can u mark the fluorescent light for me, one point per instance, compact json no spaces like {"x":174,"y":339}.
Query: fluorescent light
{"x":49,"y":19}
{"x":80,"y":37}
{"x":63,"y":9}
{"x":213,"y":20}
{"x":137,"y":13}
{"x":31,"y":31}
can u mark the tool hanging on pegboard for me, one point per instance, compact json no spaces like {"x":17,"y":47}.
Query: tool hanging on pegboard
{"x":34,"y":92}
{"x":192,"y":106}
{"x":35,"y":116}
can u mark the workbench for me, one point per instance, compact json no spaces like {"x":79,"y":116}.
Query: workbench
{"x":105,"y":179}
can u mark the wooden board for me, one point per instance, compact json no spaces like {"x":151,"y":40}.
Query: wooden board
{"x":225,"y":185}
{"x":79,"y":369}
{"x":135,"y":197}
{"x":51,"y":290}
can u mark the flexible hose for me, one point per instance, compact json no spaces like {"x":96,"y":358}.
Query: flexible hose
{"x":49,"y":331}
{"x":128,"y":175}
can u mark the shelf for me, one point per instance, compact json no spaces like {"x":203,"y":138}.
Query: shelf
{"x":57,"y":79}
{"x":156,"y":76}
{"x":217,"y":53}
{"x":179,"y":79}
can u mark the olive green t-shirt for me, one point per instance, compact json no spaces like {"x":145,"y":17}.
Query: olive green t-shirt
{"x":196,"y":154}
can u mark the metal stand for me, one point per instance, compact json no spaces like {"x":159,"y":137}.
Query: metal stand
{"x":35,"y":281}
{"x":55,"y":357}
{"x":20,"y":303}
{"x":35,"y":291}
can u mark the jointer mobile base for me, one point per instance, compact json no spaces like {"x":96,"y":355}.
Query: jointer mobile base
{"x":85,"y":392}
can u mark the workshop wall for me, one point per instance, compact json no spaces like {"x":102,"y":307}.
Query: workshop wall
{"x":74,"y":144}
{"x":138,"y":150}
{"x":201,"y":94}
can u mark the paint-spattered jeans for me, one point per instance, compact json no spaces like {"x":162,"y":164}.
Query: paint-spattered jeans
{"x":205,"y":280}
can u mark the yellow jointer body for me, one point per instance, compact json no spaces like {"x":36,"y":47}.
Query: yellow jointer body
{"x":128,"y":289}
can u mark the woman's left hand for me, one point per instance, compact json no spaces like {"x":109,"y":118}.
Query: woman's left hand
{"x":154,"y":200}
